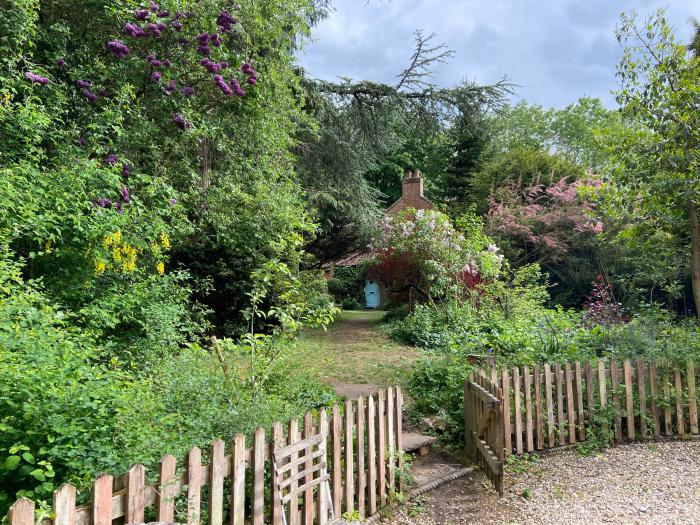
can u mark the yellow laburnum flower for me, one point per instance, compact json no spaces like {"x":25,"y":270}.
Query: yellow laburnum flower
{"x":160,"y":267}
{"x":164,"y":241}
{"x":100,"y":267}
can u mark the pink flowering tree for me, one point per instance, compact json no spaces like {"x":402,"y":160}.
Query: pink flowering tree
{"x":422,"y":250}
{"x":545,"y":222}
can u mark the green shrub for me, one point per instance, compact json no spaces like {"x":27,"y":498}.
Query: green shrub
{"x":350,"y":303}
{"x":336,"y":288}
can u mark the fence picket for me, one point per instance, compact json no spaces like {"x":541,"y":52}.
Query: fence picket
{"x":692,"y":401}
{"x":308,"y":493}
{"x":399,"y":431}
{"x":336,"y":475}
{"x":571,"y":419}
{"x":390,"y":437}
{"x":517,"y":411}
{"x":539,"y":433}
{"x":372,"y":454}
{"x":668,"y":416}
{"x":216,"y":483}
{"x":550,"y":405}
{"x":360,"y":433}
{"x":629,"y":398}
{"x":238,"y":479}
{"x":349,"y":462}
{"x":22,"y":512}
{"x":167,"y":490}
{"x":560,"y":403}
{"x":615,"y":387}
{"x":527,"y":381}
{"x":135,"y":494}
{"x":277,"y":443}
{"x":101,"y":500}
{"x":641,"y":391}
{"x":578,"y":387}
{"x":590,"y":392}
{"x":505,"y":381}
{"x":679,"y":401}
{"x":381,"y":445}
{"x":63,"y":505}
{"x":653,"y":393}
{"x":259,"y":476}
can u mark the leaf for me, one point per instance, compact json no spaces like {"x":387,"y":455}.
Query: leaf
{"x":38,"y":474}
{"x":28,"y":457}
{"x":11,"y":462}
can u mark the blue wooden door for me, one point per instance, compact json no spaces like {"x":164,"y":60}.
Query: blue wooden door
{"x":371,"y":294}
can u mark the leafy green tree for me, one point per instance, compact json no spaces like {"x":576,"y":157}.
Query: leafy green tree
{"x":657,"y":161}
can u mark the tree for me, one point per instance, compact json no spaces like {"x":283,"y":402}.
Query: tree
{"x":657,"y":162}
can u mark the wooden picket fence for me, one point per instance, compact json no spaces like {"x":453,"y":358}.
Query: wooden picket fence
{"x":364,"y":444}
{"x":555,"y":405}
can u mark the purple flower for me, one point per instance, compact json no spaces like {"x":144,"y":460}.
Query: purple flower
{"x":155,"y":63}
{"x":247,"y":68}
{"x":167,"y":63}
{"x":215,"y":40}
{"x":173,"y":201}
{"x":153,"y":6}
{"x":161,"y":26}
{"x":187,"y":91}
{"x":180,"y":121}
{"x":204,"y":49}
{"x":210,"y":65}
{"x":170,"y":86}
{"x":163,"y":14}
{"x":141,"y":14}
{"x":203,"y":38}
{"x":89,"y":95}
{"x":104,"y":202}
{"x":124,"y":194}
{"x":237,"y":89}
{"x":153,"y":30}
{"x":118,"y":207}
{"x":37,"y":79}
{"x":118,"y":48}
{"x":81,"y":141}
{"x":131,"y":29}
{"x":177,"y":26}
{"x":222,"y":85}
{"x":183,"y":42}
{"x":252,"y":80}
{"x":111,"y":159}
{"x":155,"y":76}
{"x":61,"y":63}
{"x":178,"y":15}
{"x":225,"y":21}
{"x":83,"y":84}
{"x":126,"y":171}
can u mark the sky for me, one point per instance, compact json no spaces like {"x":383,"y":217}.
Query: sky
{"x":555,"y":50}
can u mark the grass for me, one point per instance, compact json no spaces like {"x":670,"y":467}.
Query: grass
{"x":354,"y":350}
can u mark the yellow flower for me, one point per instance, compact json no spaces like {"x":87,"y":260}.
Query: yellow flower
{"x":160,"y":267}
{"x":47,"y":246}
{"x":164,"y":241}
{"x":100,"y":267}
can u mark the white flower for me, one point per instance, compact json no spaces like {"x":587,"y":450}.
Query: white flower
{"x":420,"y":214}
{"x":493,"y":248}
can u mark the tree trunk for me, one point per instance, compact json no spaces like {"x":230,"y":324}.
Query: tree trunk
{"x":695,"y":254}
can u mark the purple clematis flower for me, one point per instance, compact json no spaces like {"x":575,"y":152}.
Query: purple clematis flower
{"x":118,"y":48}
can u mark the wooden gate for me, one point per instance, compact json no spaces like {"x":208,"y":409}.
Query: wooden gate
{"x":483,"y":425}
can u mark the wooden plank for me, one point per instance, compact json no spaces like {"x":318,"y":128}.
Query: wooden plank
{"x":278,"y":442}
{"x":372,"y":454}
{"x":692,"y":400}
{"x":238,"y":456}
{"x":629,"y":397}
{"x":308,"y":493}
{"x":391,"y":439}
{"x":505,"y":380}
{"x":571,"y":417}
{"x":560,"y":403}
{"x":216,"y":483}
{"x":361,"y":473}
{"x":381,"y":445}
{"x":488,"y":455}
{"x":63,"y":505}
{"x":641,"y":392}
{"x":517,"y":411}
{"x":259,"y":476}
{"x":167,"y":489}
{"x":337,"y":474}
{"x":680,"y":416}
{"x":135,"y":494}
{"x":323,"y":501}
{"x":399,"y":432}
{"x":668,"y":416}
{"x":22,"y":511}
{"x":615,"y":387}
{"x":349,"y":462}
{"x":527,"y":386}
{"x":590,"y":392}
{"x":578,"y":386}
{"x":292,"y":438}
{"x":550,"y":405}
{"x":539,"y":420}
{"x":102,"y":500}
{"x":602,"y":384}
{"x":653,"y":392}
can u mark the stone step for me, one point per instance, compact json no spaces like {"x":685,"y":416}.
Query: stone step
{"x":418,"y":443}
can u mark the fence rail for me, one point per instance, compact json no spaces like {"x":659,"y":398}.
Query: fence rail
{"x":364,"y":445}
{"x":547,"y":406}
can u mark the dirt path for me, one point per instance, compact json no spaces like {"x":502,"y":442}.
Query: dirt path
{"x":641,"y":484}
{"x":354,"y":355}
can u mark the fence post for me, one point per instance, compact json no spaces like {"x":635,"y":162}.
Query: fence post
{"x":22,"y":512}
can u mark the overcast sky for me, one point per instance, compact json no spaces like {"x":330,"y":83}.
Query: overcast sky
{"x":556,"y":50}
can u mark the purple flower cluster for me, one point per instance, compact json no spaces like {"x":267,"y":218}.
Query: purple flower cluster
{"x":37,"y":79}
{"x":153,"y":6}
{"x":151,"y":59}
{"x":237,"y":89}
{"x":112,"y":159}
{"x":215,"y":40}
{"x":225,"y":21}
{"x":250,"y":73}
{"x":203,"y":47}
{"x":222,"y":85}
{"x":155,"y":29}
{"x":155,"y":76}
{"x":163,"y":14}
{"x":82,"y":84}
{"x":124,"y":194}
{"x":180,"y":121}
{"x":141,"y":14}
{"x":177,"y":26}
{"x":126,"y":170}
{"x":118,"y":48}
{"x":173,"y":201}
{"x":213,"y":67}
{"x":61,"y":62}
{"x":170,"y":86}
{"x":89,"y":95}
{"x":133,"y":30}
{"x":187,"y":91}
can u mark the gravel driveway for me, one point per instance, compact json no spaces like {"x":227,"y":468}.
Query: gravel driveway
{"x":656,"y":483}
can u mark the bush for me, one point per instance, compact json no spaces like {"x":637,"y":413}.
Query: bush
{"x":336,"y":288}
{"x":350,"y":303}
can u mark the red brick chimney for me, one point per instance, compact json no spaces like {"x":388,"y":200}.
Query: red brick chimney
{"x":411,"y":194}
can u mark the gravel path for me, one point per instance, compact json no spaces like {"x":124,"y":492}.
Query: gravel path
{"x":632,"y":484}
